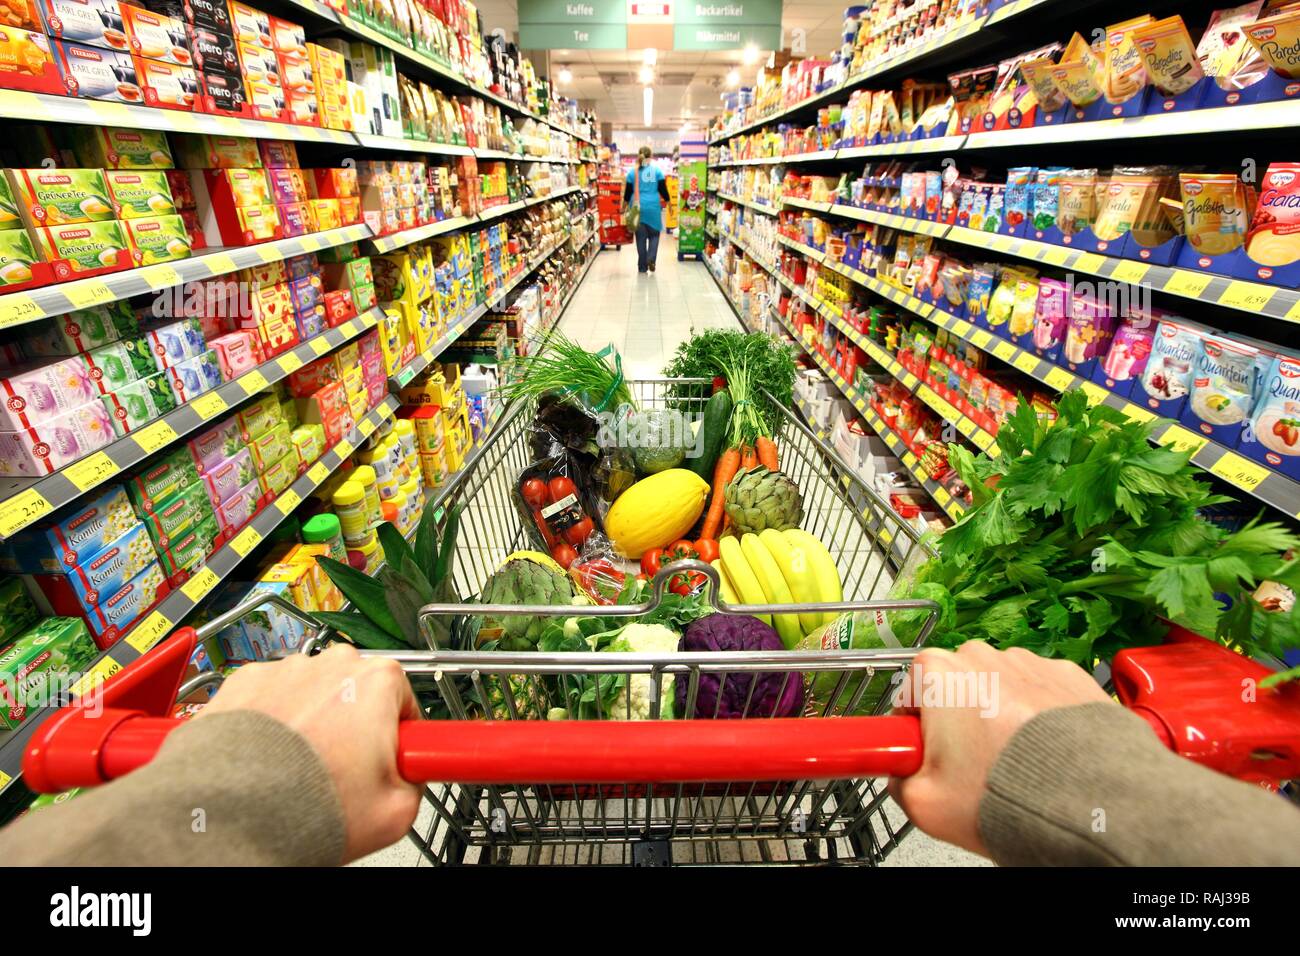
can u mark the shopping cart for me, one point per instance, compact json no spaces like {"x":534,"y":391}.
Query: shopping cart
{"x":506,"y":785}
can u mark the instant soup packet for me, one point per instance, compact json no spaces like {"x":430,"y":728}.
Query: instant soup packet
{"x":1169,"y":55}
{"x":1213,"y":212}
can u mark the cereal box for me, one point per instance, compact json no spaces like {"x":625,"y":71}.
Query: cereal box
{"x":55,"y":197}
{"x":115,"y":615}
{"x":83,"y":587}
{"x":82,"y":532}
{"x":161,"y":479}
{"x":41,"y":665}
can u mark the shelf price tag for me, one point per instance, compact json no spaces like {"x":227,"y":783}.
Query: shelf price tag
{"x":1186,"y":283}
{"x":367,"y":427}
{"x":253,"y":382}
{"x":220,"y":263}
{"x":1136,"y":413}
{"x":18,"y":307}
{"x":1059,"y":379}
{"x":289,"y":363}
{"x":23,"y":509}
{"x":1180,"y":439}
{"x":1026,"y":362}
{"x":155,"y":436}
{"x":941,"y":495}
{"x":1089,"y":262}
{"x":90,"y":293}
{"x":981,"y":338}
{"x":209,"y":405}
{"x":287,"y":502}
{"x":909,"y":460}
{"x":319,"y":345}
{"x":1055,"y":255}
{"x":200,"y":584}
{"x":344,"y":448}
{"x":105,"y":668}
{"x":245,"y":541}
{"x":1246,"y":295}
{"x":161,"y":277}
{"x":1293,"y":313}
{"x":1004,"y":351}
{"x":1096,"y":394}
{"x":1130,"y":271}
{"x":90,"y":471}
{"x":318,"y":472}
{"x":1239,"y":471}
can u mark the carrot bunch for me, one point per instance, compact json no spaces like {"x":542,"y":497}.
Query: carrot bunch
{"x":750,"y":446}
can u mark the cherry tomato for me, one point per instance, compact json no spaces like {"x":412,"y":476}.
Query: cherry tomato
{"x":686,"y":584}
{"x":707,"y":549}
{"x":564,"y":555}
{"x":577,"y":533}
{"x":544,"y":528}
{"x":600,"y":579}
{"x":561,"y":487}
{"x":680,"y":551}
{"x":535,"y":493}
{"x":651,"y":562}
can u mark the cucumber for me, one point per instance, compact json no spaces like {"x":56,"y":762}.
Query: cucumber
{"x":716,"y":418}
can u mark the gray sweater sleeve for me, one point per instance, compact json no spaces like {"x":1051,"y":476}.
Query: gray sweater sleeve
{"x":233,"y":789}
{"x":1092,"y":785}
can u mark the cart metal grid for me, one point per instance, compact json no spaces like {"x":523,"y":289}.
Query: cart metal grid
{"x":799,"y":821}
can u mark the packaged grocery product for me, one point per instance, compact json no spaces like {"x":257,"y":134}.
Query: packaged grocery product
{"x":110,"y":147}
{"x":1214,"y":212}
{"x":239,"y":509}
{"x":1222,"y":394}
{"x":167,"y":85}
{"x":1224,"y":43}
{"x":1275,"y":423}
{"x":114,"y":366}
{"x":1079,"y":74}
{"x":279,"y":154}
{"x":175,"y":342}
{"x":139,"y":194}
{"x":41,"y":665}
{"x":1274,"y":235}
{"x":216,"y":444}
{"x":1037,"y":74}
{"x":225,"y":479}
{"x":32,"y":394}
{"x":1126,"y":359}
{"x":258,"y":417}
{"x":98,"y":74}
{"x":287,"y":185}
{"x":17,"y":257}
{"x":158,"y":239}
{"x":79,"y":331}
{"x":203,"y":151}
{"x":135,"y":404}
{"x":271,"y":446}
{"x":172,"y":517}
{"x":1076,"y":201}
{"x":96,"y":22}
{"x":221,"y":94}
{"x":1168,"y":55}
{"x":18,"y":613}
{"x":27,"y":63}
{"x":309,"y":442}
{"x":85,"y":247}
{"x":56,"y":197}
{"x":1088,"y":335}
{"x":1051,"y":318}
{"x":1277,"y":38}
{"x":214,"y":50}
{"x":115,"y":615}
{"x":190,"y":547}
{"x":84,"y":586}
{"x":161,"y":479}
{"x":265,"y":632}
{"x":1125,"y":69}
{"x":195,"y":376}
{"x":156,"y":36}
{"x":73,"y":538}
{"x":279,"y":475}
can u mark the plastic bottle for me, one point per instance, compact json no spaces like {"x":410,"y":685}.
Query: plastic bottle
{"x":414,"y":491}
{"x":365,"y":555}
{"x":405,"y":431}
{"x":365,"y":476}
{"x":401,"y":469}
{"x":402,"y":512}
{"x":378,"y":461}
{"x":349,"y":503}
{"x":325,"y":529}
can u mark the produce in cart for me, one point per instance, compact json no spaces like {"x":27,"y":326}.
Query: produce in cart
{"x":726,"y":696}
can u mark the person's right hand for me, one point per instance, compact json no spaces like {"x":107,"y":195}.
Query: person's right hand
{"x":348,"y":708}
{"x":962,"y":743}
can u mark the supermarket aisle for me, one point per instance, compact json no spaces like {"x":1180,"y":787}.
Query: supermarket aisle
{"x":645,"y":317}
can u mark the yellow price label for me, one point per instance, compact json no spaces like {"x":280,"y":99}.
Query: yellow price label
{"x":925,"y":309}
{"x":344,"y":448}
{"x":18,"y":307}
{"x":1089,"y":262}
{"x":349,"y":328}
{"x":1059,"y":379}
{"x":1026,"y":362}
{"x":104,"y":668}
{"x":1130,"y":271}
{"x":966,"y":426}
{"x":1136,"y":413}
{"x":85,"y":294}
{"x":245,"y":541}
{"x":318,"y":472}
{"x":1247,"y":295}
{"x":962,"y":328}
{"x":90,"y":471}
{"x":984,"y":440}
{"x":909,"y":460}
{"x":253,"y":382}
{"x":941,"y":495}
{"x":993,"y":450}
{"x":220,"y":262}
{"x":200,"y":584}
{"x":910,"y":380}
{"x":309,"y":243}
{"x":981,"y":338}
{"x":289,"y":363}
{"x":209,"y":405}
{"x":1239,"y":471}
{"x":4,"y":780}
{"x":288,"y":501}
{"x":1293,"y":313}
{"x":1004,"y":350}
{"x":1180,"y":439}
{"x":161,"y":277}
{"x":23,"y":509}
{"x":1187,"y":283}
{"x":154,"y":436}
{"x":1096,"y":394}
{"x":319,"y":345}
{"x":367,"y":427}
{"x":1055,"y":255}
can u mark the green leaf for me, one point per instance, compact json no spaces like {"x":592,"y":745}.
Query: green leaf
{"x":365,"y":592}
{"x":404,"y":604}
{"x":443,"y":567}
{"x":394,"y":545}
{"x":360,"y":630}
{"x":411,"y":573}
{"x":426,"y":542}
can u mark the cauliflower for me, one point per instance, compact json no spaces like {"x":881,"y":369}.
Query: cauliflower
{"x":639,"y":689}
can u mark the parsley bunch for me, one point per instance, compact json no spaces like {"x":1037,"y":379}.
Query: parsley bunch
{"x":1083,"y":535}
{"x":755,"y":366}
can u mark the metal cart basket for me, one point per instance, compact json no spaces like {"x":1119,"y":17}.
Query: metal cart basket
{"x":799,"y":820}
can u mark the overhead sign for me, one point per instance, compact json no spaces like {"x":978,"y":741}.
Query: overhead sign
{"x":634,"y":24}
{"x":563,"y":24}
{"x":735,"y":13}
{"x":723,"y":37}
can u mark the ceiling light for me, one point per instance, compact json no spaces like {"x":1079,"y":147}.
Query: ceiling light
{"x":566,"y":75}
{"x":733,"y":78}
{"x":751,"y":55}
{"x":651,"y":56}
{"x":647,"y":75}
{"x":648,"y":104}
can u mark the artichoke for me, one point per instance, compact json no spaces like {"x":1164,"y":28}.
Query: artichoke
{"x":525,"y":578}
{"x":758,"y":499}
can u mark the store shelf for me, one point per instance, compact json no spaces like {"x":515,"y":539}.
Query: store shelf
{"x":17,"y":308}
{"x":370,"y":141}
{"x":405,"y":237}
{"x":907,"y":147}
{"x":764,"y":208}
{"x":25,"y":501}
{"x":173,"y":608}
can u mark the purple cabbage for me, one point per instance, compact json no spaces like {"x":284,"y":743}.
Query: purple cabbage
{"x":776,"y":694}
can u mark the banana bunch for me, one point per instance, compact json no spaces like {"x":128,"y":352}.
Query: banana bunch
{"x":780,"y":567}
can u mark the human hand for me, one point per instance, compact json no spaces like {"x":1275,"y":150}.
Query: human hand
{"x":348,"y":708}
{"x":961,"y":743}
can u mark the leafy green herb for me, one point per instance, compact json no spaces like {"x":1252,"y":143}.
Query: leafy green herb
{"x":751,"y":363}
{"x":1090,"y":537}
{"x":565,"y":368}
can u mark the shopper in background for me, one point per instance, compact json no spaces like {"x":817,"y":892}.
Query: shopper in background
{"x":276,"y":771}
{"x":647,"y":182}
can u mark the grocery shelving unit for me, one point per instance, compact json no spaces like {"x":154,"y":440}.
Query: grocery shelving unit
{"x":1236,"y":301}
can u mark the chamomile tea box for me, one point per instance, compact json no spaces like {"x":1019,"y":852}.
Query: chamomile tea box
{"x":87,"y":585}
{"x":116,"y":614}
{"x":55,"y":648}
{"x":74,"y":537}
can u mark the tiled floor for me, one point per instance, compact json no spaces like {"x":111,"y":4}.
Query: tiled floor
{"x":645,"y":317}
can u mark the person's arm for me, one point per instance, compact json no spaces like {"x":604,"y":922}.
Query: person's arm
{"x":663,"y":186}
{"x":272,"y":772}
{"x":1056,"y":773}
{"x":627,"y":188}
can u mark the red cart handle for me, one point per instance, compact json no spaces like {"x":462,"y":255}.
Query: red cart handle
{"x":1196,"y":695}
